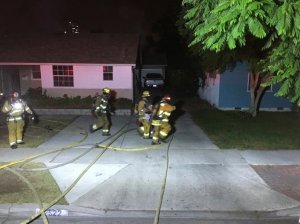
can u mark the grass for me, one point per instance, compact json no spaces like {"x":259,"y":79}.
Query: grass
{"x":36,"y":134}
{"x":238,"y":130}
{"x":14,"y":190}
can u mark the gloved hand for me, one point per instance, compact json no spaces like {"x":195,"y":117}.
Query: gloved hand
{"x":147,"y":117}
{"x":33,"y":119}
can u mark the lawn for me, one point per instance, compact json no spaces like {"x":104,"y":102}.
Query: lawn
{"x":15,"y":190}
{"x":36,"y":134}
{"x":238,"y":130}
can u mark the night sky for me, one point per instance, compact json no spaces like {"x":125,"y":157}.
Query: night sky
{"x":51,"y":16}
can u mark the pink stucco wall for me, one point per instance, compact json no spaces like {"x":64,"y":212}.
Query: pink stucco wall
{"x":90,"y":77}
{"x":26,"y":80}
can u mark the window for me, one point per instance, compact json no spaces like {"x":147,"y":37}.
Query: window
{"x":36,"y":72}
{"x":107,"y":73}
{"x":63,"y":75}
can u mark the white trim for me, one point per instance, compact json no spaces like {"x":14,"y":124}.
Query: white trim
{"x":57,"y":63}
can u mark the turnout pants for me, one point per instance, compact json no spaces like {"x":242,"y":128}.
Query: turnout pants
{"x":15,"y":131}
{"x":102,"y":122}
{"x":144,"y":129}
{"x":161,"y":131}
{"x":164,"y":130}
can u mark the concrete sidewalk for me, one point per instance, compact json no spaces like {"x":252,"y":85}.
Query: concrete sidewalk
{"x":202,"y":179}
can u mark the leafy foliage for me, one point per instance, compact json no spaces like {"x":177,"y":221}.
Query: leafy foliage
{"x":285,"y":62}
{"x":222,"y":25}
{"x":37,"y":99}
{"x":228,"y":22}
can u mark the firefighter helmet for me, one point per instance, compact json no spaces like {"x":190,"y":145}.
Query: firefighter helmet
{"x":14,"y":94}
{"x":106,"y":90}
{"x":166,"y":97}
{"x":145,"y":93}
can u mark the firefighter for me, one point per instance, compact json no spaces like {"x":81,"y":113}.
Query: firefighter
{"x":15,"y":108}
{"x":144,"y":109}
{"x":160,"y":120}
{"x":102,"y":111}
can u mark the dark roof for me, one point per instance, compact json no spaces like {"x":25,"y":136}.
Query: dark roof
{"x":83,"y":48}
{"x":154,"y":60}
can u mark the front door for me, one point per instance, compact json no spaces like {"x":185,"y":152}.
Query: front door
{"x":9,"y":79}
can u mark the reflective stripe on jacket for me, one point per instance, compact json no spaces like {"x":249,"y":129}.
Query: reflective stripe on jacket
{"x":101,"y":104}
{"x":15,"y":118}
{"x":163,"y":111}
{"x":16,"y":108}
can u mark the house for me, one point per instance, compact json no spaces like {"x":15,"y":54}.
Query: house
{"x":230,"y":91}
{"x":73,"y":65}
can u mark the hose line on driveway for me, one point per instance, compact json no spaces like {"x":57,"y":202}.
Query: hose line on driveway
{"x":104,"y":148}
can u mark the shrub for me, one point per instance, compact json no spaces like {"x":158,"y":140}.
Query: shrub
{"x":37,"y":99}
{"x":122,"y":103}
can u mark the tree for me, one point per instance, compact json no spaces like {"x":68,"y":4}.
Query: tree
{"x":220,"y":25}
{"x":227,"y":58}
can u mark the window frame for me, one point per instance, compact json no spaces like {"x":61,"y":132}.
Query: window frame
{"x":36,"y":69}
{"x":107,"y":73}
{"x":63,"y":75}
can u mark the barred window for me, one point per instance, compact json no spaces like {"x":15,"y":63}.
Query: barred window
{"x":36,"y":72}
{"x":107,"y":73}
{"x":63,"y":75}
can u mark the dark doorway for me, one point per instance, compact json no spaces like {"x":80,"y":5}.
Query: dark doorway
{"x":9,"y":79}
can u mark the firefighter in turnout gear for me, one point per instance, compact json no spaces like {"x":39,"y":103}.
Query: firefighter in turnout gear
{"x":15,"y":108}
{"x":144,"y":115}
{"x":102,"y":111}
{"x":160,"y":120}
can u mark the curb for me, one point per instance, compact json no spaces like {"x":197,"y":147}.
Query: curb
{"x":119,"y":112}
{"x":26,"y":210}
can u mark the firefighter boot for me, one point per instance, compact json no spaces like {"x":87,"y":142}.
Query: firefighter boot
{"x":92,"y":129}
{"x":14,"y":146}
{"x":106,"y":134}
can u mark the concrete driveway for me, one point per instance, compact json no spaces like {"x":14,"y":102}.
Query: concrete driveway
{"x":201,"y":179}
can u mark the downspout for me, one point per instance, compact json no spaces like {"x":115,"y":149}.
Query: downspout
{"x":140,"y":62}
{"x":133,"y":84}
{"x":1,"y":75}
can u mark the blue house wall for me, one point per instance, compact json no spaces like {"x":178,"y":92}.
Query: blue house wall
{"x":234,"y":91}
